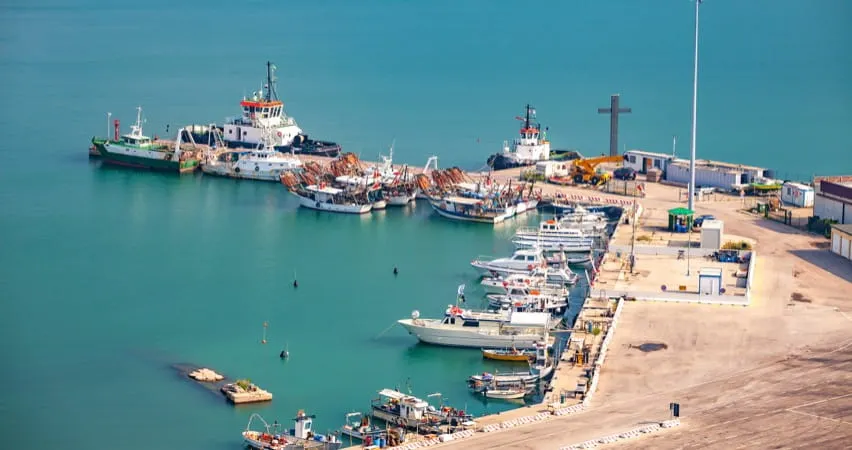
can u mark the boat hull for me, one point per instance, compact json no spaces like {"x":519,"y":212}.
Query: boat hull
{"x":522,"y":357}
{"x":495,"y":219}
{"x":221,"y":171}
{"x":467,"y":338}
{"x":400,"y":200}
{"x":119,"y":155}
{"x":381,"y":204}
{"x":504,"y":395}
{"x":333,"y":207}
{"x":562,"y":246}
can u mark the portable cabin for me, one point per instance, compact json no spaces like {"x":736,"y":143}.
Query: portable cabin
{"x":797,"y":194}
{"x":642,"y":161}
{"x":711,"y":234}
{"x":710,"y":281}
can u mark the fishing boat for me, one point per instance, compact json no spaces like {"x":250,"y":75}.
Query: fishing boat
{"x":371,"y":186}
{"x":471,"y":209}
{"x":542,"y":278}
{"x":274,"y":437}
{"x":397,"y":408}
{"x":522,"y":261}
{"x":263,"y":110}
{"x":508,"y":354}
{"x":322,"y":197}
{"x":461,"y":328}
{"x":262,"y":163}
{"x":136,"y":150}
{"x":531,"y":147}
{"x":358,"y":426}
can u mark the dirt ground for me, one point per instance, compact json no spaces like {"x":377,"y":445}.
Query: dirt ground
{"x":776,"y":374}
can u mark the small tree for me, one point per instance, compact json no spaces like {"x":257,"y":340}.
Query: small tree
{"x":596,"y":331}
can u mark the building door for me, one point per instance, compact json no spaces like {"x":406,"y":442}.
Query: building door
{"x":835,"y":243}
{"x":844,"y":247}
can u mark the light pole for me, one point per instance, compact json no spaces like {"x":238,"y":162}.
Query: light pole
{"x":694,"y":115}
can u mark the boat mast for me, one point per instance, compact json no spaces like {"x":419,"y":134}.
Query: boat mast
{"x":270,"y":82}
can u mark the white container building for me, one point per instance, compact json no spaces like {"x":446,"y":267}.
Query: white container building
{"x":716,"y":174}
{"x":641,"y":161}
{"x":797,"y":194}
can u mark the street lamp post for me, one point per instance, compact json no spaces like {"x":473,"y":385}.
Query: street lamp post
{"x":694,"y":115}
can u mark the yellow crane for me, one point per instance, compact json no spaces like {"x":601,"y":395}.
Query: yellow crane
{"x":583,"y":170}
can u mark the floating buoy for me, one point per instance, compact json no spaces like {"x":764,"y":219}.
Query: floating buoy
{"x":284,"y":354}
{"x":295,"y":284}
{"x":395,"y":271}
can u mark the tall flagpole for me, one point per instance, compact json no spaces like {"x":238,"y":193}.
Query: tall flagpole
{"x":694,"y":116}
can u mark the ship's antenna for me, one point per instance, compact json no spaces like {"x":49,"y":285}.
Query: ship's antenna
{"x":270,"y":80}
{"x":528,"y":116}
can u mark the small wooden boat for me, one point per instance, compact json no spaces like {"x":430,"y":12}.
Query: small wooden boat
{"x":504,"y":394}
{"x":509,"y":354}
{"x":360,"y":428}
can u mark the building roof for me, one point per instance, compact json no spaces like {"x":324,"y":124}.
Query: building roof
{"x":651,"y":154}
{"x":710,"y":272}
{"x":711,"y":224}
{"x":801,"y":186}
{"x":681,"y":212}
{"x":706,"y":164}
{"x":846,"y":228}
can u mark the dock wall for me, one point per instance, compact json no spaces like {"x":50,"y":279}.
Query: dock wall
{"x":675,"y":297}
{"x":596,"y":371}
{"x":630,"y":434}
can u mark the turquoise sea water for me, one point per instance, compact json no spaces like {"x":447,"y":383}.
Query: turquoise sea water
{"x":109,"y":277}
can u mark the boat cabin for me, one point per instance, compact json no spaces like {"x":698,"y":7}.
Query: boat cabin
{"x":532,"y":257}
{"x":460,"y":317}
{"x":323,"y":193}
{"x":401,"y":405}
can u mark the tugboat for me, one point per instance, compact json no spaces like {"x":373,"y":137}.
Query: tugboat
{"x":261,"y":111}
{"x":530,"y":148}
{"x":136,"y":150}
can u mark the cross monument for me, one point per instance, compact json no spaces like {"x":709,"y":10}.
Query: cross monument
{"x":613,"y":112}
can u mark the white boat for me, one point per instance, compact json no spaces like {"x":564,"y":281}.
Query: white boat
{"x":479,"y":381}
{"x":540,"y":277}
{"x":530,"y":148}
{"x":360,"y":429}
{"x":504,"y":394}
{"x":522,"y":261}
{"x":520,"y":299}
{"x":557,"y":235}
{"x":543,"y":364}
{"x":504,"y":287}
{"x":327,"y":198}
{"x":405,"y":410}
{"x":471,"y":209}
{"x":371,"y":185}
{"x":584,"y":220}
{"x":460,"y":328}
{"x":262,"y":163}
{"x":274,"y":437}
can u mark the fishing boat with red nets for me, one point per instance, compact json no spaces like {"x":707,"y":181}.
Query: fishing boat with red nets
{"x":315,"y":190}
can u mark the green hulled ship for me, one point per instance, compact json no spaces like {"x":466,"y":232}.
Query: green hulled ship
{"x":137,"y":150}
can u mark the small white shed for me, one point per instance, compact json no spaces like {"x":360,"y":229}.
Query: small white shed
{"x":710,"y":281}
{"x":553,"y":168}
{"x":797,"y":194}
{"x":711,"y":234}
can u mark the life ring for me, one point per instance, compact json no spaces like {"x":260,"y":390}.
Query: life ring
{"x":530,"y":267}
{"x":256,"y":168}
{"x":280,"y":134}
{"x":237,"y":170}
{"x":318,"y":205}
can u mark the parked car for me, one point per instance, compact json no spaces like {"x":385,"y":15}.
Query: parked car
{"x":700,"y":219}
{"x":624,"y":173}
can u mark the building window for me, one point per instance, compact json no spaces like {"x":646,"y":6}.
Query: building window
{"x":632,"y":159}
